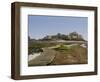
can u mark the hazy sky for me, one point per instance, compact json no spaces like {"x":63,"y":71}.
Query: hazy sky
{"x":40,"y":26}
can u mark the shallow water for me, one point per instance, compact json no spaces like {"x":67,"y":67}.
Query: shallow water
{"x":33,"y":56}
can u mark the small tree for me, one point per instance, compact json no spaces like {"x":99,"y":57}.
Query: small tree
{"x":29,"y":38}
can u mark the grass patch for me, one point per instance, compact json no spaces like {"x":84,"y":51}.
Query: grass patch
{"x":61,"y":48}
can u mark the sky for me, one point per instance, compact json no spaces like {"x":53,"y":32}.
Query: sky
{"x":39,"y":26}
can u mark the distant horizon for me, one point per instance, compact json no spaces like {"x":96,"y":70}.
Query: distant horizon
{"x":54,"y":34}
{"x":41,"y":26}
